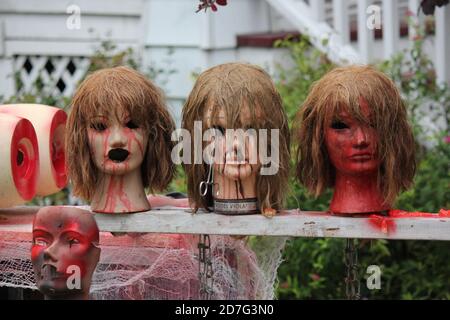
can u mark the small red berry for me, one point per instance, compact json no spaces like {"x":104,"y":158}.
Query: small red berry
{"x":213,"y":7}
{"x":221,"y":2}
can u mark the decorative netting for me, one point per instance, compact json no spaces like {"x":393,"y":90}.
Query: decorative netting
{"x":160,"y":266}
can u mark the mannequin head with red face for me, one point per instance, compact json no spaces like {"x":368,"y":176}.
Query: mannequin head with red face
{"x":119,"y":141}
{"x":353,"y":135}
{"x":64,"y":252}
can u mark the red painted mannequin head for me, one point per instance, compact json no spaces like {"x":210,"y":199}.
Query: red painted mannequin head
{"x":119,"y":141}
{"x":353,"y":135}
{"x":64,"y":252}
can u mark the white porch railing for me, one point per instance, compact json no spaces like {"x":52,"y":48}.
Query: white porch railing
{"x":331,"y":19}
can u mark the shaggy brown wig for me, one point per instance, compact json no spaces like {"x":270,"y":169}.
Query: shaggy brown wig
{"x":112,"y":92}
{"x":341,"y":90}
{"x":231,"y":87}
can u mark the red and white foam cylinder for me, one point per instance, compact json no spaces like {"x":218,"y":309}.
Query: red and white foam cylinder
{"x":49,"y":123}
{"x":19,"y":161}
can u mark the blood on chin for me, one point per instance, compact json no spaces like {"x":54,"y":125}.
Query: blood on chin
{"x":113,"y":167}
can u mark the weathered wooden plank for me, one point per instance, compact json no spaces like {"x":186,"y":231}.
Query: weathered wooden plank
{"x":290,"y":223}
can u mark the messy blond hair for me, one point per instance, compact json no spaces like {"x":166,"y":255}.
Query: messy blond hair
{"x":113,"y":91}
{"x":230,"y":87}
{"x":341,"y":90}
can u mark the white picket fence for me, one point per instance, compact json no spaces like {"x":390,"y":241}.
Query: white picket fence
{"x":331,"y":20}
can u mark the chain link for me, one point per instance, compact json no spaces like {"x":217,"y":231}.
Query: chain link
{"x":205,"y":273}
{"x":352,"y":283}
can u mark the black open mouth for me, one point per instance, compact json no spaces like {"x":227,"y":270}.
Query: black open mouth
{"x":118,"y":155}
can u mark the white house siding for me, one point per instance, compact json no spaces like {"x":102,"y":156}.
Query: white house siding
{"x":199,"y":41}
{"x":36,"y":30}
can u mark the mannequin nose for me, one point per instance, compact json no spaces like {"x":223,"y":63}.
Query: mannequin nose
{"x":51,"y":253}
{"x":238,"y":148}
{"x":360,"y":138}
{"x":117,"y":138}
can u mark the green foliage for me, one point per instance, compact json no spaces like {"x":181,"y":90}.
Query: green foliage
{"x":431,"y":189}
{"x":309,"y":66}
{"x":314,"y":268}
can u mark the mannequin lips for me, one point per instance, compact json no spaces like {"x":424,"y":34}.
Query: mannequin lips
{"x":232,"y":158}
{"x":118,"y":154}
{"x":364,"y":156}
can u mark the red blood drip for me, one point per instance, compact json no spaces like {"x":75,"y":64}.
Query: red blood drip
{"x":123,"y":196}
{"x":116,"y":188}
{"x":110,"y":201}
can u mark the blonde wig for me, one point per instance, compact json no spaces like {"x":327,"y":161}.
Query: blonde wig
{"x":341,"y":90}
{"x":230,"y":88}
{"x":111,"y":92}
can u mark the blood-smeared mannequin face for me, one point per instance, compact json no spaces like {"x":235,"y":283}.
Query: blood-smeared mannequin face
{"x":352,"y":146}
{"x":64,"y":247}
{"x":236,"y":159}
{"x":117,"y":145}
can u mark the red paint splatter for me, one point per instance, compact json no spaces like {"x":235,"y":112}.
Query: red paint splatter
{"x":387,"y":224}
{"x":443,"y":213}
{"x":384,"y":224}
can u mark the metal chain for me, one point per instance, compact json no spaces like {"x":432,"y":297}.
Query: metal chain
{"x":205,"y":273}
{"x":352,"y":283}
